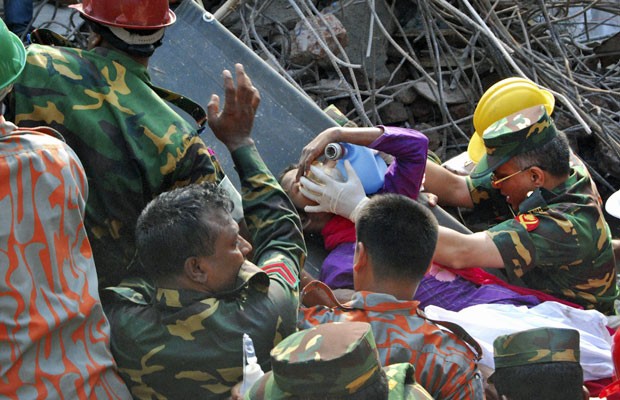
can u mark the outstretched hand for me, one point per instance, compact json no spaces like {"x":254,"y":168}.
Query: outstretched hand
{"x":233,"y":125}
{"x":343,"y":198}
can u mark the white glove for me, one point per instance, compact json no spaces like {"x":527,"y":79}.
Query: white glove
{"x":342,"y":198}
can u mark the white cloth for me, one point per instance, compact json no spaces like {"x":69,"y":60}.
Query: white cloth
{"x":485,"y":322}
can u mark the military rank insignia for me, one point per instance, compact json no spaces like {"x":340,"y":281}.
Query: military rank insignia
{"x":282,"y":271}
{"x":529,"y":221}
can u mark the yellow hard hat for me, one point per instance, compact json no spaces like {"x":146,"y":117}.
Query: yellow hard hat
{"x":502,"y":99}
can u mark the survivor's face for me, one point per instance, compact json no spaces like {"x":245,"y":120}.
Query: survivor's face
{"x":515,"y":187}
{"x":311,"y":222}
{"x":230,"y":252}
{"x":291,"y":187}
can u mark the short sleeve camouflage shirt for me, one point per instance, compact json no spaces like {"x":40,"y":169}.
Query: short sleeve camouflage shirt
{"x":559,"y":242}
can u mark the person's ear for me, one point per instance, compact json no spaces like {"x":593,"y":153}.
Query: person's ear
{"x":195,"y":270}
{"x":94,"y":40}
{"x":537,"y":175}
{"x":360,"y":259}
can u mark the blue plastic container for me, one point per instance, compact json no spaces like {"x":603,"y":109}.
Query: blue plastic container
{"x":368,"y":164}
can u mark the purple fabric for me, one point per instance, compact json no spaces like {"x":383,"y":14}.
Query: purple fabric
{"x":404,"y":176}
{"x":337,"y":268}
{"x":409,"y":148}
{"x":454,"y":295}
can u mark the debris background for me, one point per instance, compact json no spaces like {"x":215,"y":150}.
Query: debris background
{"x":424,"y":64}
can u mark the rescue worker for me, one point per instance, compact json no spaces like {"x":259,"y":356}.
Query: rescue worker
{"x":183,"y":340}
{"x":54,"y":336}
{"x":133,"y":145}
{"x":540,"y":363}
{"x":557,"y":242}
{"x":334,"y":361}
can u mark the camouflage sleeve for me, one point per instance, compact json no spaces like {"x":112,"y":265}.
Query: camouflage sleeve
{"x":552,"y":243}
{"x":489,"y":204}
{"x":195,"y":162}
{"x":277,"y":237}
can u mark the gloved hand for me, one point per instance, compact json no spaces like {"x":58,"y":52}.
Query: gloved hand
{"x":342,"y":198}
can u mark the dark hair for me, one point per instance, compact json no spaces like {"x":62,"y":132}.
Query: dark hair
{"x":553,"y":157}
{"x":286,"y":169}
{"x":378,"y":390}
{"x":399,"y":234}
{"x":173,"y":227}
{"x":136,"y":50}
{"x":549,"y":381}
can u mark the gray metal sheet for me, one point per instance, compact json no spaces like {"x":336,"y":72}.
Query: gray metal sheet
{"x":197,"y":49}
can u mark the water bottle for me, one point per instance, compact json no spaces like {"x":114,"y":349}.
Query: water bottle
{"x":251,"y":369}
{"x":368,"y":164}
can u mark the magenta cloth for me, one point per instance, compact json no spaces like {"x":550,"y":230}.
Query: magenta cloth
{"x":404,"y":176}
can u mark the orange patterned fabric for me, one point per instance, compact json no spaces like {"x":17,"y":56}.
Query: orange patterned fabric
{"x":54,"y":337}
{"x":444,"y":365}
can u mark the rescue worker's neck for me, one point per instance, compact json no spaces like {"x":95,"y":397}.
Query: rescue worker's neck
{"x":403,"y":289}
{"x":141,"y":60}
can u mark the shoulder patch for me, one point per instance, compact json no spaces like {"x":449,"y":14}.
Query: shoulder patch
{"x":529,"y":221}
{"x":281,"y":270}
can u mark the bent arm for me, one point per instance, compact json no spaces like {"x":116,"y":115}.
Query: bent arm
{"x":409,"y":149}
{"x":450,"y":188}
{"x":270,"y":216}
{"x":458,"y":250}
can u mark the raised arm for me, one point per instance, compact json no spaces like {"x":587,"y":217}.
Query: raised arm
{"x":270,"y":216}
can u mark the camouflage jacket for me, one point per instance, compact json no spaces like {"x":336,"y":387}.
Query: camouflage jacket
{"x":444,"y":365}
{"x":559,"y":242}
{"x":132,"y":144}
{"x":184,"y":344}
{"x":54,"y":336}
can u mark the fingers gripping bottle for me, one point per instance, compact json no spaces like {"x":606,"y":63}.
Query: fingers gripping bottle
{"x":251,"y":369}
{"x":368,"y":164}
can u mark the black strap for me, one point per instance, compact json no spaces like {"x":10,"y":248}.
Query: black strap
{"x":49,"y":38}
{"x":458,"y":331}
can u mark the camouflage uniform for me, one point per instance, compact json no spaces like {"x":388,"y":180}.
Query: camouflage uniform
{"x":538,"y":345}
{"x":132,"y":144}
{"x":559,"y":242}
{"x":332,"y":361}
{"x":185,"y":344}
{"x":444,"y":365}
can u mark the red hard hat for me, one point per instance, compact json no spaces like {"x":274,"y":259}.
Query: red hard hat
{"x":130,"y":14}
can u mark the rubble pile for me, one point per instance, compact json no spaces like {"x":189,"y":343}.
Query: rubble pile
{"x":425,"y":64}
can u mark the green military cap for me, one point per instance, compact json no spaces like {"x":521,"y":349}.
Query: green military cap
{"x":515,"y":134}
{"x":539,"y":345}
{"x":13,"y":56}
{"x":333,"y":360}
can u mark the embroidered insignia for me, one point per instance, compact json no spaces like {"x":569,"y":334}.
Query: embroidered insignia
{"x":529,"y":221}
{"x":281,"y":270}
